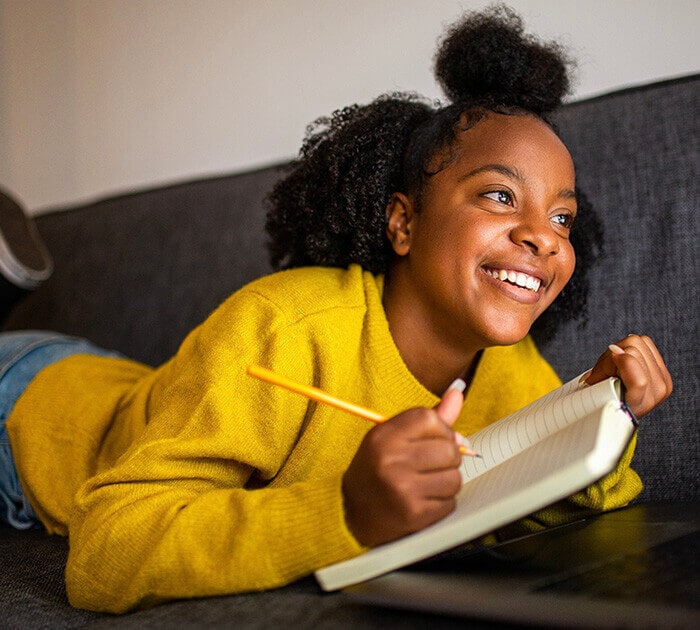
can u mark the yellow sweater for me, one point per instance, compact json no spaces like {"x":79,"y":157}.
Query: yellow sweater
{"x":194,"y":479}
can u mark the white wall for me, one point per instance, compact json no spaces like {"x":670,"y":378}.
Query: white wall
{"x":101,"y":96}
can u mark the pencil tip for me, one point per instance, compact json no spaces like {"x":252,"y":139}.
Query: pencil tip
{"x":467,"y":452}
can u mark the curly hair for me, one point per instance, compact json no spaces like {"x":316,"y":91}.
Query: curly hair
{"x":330,"y":207}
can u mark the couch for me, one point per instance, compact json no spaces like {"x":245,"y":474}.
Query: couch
{"x":136,"y":272}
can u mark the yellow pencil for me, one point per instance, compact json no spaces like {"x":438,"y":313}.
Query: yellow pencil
{"x":314,"y":393}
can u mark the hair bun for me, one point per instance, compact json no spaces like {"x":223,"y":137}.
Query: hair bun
{"x":485,"y":58}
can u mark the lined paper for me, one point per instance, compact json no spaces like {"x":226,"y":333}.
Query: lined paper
{"x":515,"y":433}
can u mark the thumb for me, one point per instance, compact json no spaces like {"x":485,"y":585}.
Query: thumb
{"x":451,"y":404}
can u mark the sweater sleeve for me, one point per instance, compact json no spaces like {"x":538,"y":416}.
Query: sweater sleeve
{"x":199,"y":504}
{"x":613,"y":491}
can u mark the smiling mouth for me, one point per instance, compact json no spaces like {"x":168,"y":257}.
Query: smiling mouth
{"x":518,"y":278}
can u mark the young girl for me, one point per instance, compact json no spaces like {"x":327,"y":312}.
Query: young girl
{"x":420,"y":245}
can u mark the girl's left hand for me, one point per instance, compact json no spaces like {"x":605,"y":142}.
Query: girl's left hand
{"x":638,"y":363}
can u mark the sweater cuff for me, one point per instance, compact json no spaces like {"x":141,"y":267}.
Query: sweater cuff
{"x":316,"y":532}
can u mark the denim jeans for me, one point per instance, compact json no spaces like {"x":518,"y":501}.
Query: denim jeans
{"x":22,"y":355}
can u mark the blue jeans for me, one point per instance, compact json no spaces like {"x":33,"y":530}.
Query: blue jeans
{"x":22,"y":356}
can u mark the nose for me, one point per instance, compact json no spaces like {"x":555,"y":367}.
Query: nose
{"x":535,"y":232}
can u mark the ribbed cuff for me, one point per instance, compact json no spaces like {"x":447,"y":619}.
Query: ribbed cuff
{"x":314,"y":529}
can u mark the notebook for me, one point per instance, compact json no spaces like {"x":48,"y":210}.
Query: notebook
{"x":546,"y":451}
{"x":634,"y":567}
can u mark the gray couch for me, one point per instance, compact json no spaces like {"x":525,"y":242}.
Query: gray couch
{"x":137,"y":272}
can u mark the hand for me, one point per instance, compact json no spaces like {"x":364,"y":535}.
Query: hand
{"x":405,"y":475}
{"x":638,"y":363}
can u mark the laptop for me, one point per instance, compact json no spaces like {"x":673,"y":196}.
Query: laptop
{"x":630,"y":568}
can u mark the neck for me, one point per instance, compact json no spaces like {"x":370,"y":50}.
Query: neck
{"x":429,"y":352}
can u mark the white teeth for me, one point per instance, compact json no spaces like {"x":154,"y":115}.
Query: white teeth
{"x":516,"y":277}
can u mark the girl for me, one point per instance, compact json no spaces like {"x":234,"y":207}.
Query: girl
{"x":420,"y":245}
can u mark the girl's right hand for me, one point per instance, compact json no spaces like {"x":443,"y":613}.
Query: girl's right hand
{"x":405,"y":475}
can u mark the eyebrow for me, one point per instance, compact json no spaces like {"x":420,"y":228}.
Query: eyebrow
{"x":499,"y":168}
{"x":565,"y":193}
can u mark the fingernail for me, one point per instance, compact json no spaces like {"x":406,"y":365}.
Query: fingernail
{"x":584,"y":378}
{"x":465,"y":446}
{"x":462,"y":441}
{"x":615,"y":349}
{"x":458,"y":384}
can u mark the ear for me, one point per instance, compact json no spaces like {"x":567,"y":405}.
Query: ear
{"x":400,"y":216}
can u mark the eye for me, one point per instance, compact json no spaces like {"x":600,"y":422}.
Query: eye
{"x":501,"y":196}
{"x":564,"y":219}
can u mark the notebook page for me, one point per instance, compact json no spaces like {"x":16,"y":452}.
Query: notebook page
{"x":545,"y":416}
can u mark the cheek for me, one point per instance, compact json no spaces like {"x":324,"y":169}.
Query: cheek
{"x":568,"y":262}
{"x":437,"y":239}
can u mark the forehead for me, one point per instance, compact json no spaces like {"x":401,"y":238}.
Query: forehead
{"x":517,"y":140}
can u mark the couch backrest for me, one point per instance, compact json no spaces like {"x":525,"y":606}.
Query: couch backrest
{"x":636,"y":154}
{"x":137,"y":272}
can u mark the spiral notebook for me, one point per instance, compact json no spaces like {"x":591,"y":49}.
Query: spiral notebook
{"x":547,"y":451}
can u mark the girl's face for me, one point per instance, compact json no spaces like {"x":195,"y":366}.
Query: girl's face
{"x":488,"y":249}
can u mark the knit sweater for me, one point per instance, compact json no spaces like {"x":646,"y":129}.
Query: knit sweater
{"x":194,"y":479}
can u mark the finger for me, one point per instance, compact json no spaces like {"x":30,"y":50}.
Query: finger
{"x":635,"y":345}
{"x":643,"y":391}
{"x":451,"y":404}
{"x":604,"y":368}
{"x":416,"y":439}
{"x":418,"y":424}
{"x":438,"y":509}
{"x":659,"y":384}
{"x":434,"y":454}
{"x":660,"y":376}
{"x":631,"y":368}
{"x":607,"y":365}
{"x":443,"y":484}
{"x":429,"y":511}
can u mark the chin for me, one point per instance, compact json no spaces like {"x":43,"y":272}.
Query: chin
{"x":506,"y":333}
{"x":507,"y":340}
